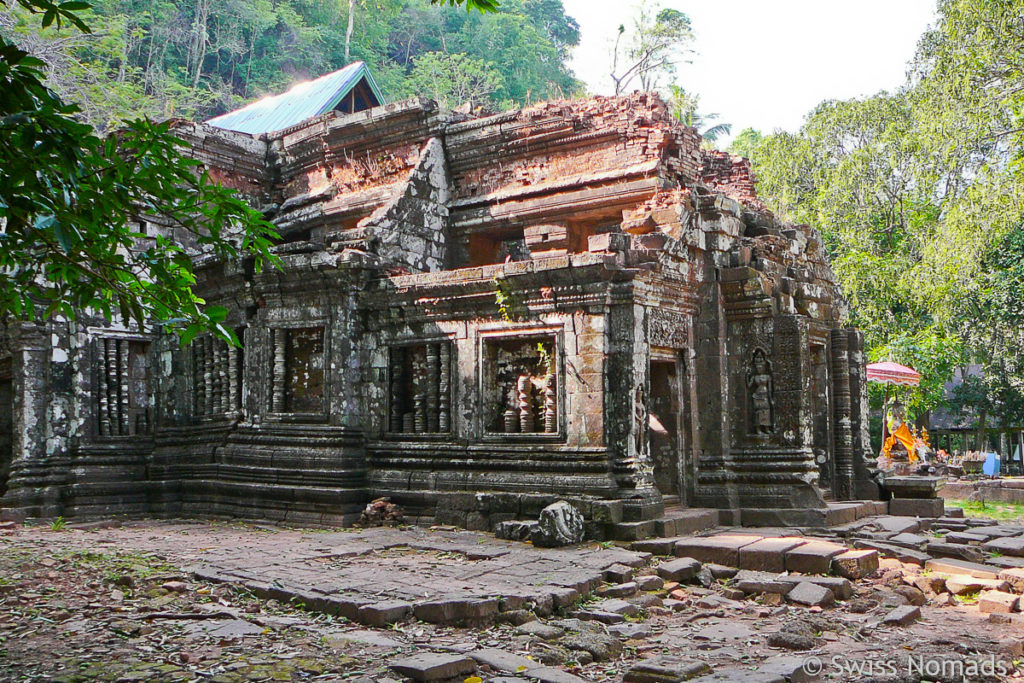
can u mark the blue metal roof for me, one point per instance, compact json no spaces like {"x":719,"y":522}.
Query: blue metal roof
{"x":301,"y":102}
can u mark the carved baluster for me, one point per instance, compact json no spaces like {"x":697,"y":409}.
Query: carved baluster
{"x":397,"y":390}
{"x":512,"y":412}
{"x":224,"y":375}
{"x":433,"y":378}
{"x":549,"y":404}
{"x":104,"y":388}
{"x":123,"y":385}
{"x":209,"y":375}
{"x":277,"y":390}
{"x":419,"y":371}
{"x":234,"y":401}
{"x":444,"y":390}
{"x":524,"y":390}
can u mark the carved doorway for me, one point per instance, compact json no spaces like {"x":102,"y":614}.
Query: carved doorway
{"x":665,"y":419}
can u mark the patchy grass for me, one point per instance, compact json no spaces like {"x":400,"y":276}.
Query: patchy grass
{"x":1001,"y":511}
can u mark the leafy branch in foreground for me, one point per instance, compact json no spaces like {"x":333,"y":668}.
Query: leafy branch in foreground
{"x":74,"y":206}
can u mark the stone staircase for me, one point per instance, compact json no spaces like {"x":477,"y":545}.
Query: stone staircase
{"x":675,"y":521}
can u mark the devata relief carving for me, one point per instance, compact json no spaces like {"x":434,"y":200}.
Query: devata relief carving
{"x":759,"y":386}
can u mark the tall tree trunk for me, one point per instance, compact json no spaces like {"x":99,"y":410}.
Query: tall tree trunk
{"x":348,"y":31}
{"x":199,"y":40}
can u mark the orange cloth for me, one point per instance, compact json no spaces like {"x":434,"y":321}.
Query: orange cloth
{"x":904,"y":436}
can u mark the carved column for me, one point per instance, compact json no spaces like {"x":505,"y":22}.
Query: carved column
{"x":841,"y":403}
{"x":113,"y":395}
{"x":122,"y":385}
{"x":277,"y":390}
{"x":444,"y":390}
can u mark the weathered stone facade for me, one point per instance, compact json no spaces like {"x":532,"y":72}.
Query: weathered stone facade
{"x":474,"y":317}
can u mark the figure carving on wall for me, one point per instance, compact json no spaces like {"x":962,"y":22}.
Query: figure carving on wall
{"x":759,"y":384}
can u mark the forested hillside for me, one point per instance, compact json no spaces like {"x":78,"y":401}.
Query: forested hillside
{"x":199,"y":58}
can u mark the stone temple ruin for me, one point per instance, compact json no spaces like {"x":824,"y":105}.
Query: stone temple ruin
{"x":475,"y":317}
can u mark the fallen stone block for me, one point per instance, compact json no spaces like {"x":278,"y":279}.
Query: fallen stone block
{"x":618,"y":607}
{"x":1013,"y":576}
{"x":600,"y":646}
{"x":917,"y":507}
{"x":560,"y":524}
{"x":721,"y":549}
{"x":902,"y":616}
{"x":810,"y":595}
{"x":456,"y":610}
{"x":997,"y":601}
{"x":767,"y":554}
{"x":599,"y":615}
{"x":540,"y":630}
{"x":649,"y":582}
{"x":618,"y":573}
{"x":683,"y":569}
{"x":930,"y":584}
{"x":909,"y":540}
{"x":812,"y":557}
{"x":964,"y":538}
{"x":914,"y":595}
{"x":751,"y":582}
{"x":620,"y":590}
{"x":630,"y":631}
{"x":720,"y":571}
{"x":896,"y":552}
{"x":381,"y":614}
{"x":655,"y":546}
{"x":955,"y":566}
{"x":664,"y":669}
{"x":961,"y":584}
{"x":954,"y":550}
{"x":433,"y":666}
{"x":840,"y":587}
{"x":856,"y":564}
{"x":1009,"y":545}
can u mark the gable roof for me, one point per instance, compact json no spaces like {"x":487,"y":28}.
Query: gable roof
{"x":303,"y":101}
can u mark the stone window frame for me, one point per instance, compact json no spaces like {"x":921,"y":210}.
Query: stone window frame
{"x":99,"y":337}
{"x":268,"y":369}
{"x":453,"y":368}
{"x":488,"y":334}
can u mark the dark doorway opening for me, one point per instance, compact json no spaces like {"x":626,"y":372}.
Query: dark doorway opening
{"x":6,"y":432}
{"x":666,"y":447}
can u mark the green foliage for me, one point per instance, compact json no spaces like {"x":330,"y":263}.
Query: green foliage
{"x":653,"y":47}
{"x":453,"y":79}
{"x":199,"y":58}
{"x":74,"y":210}
{"x":685,"y":108}
{"x":918,"y":197}
{"x":745,"y":142}
{"x":58,"y":524}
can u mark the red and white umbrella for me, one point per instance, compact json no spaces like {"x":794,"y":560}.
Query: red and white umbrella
{"x":893,"y":373}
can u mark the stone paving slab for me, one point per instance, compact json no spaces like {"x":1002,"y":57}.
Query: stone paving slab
{"x":379,"y":576}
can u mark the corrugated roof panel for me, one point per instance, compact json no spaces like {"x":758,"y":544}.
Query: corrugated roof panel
{"x":301,"y":102}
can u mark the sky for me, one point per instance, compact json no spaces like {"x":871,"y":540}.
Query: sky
{"x":766,"y":65}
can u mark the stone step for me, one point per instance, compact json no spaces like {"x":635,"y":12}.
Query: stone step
{"x":676,"y":521}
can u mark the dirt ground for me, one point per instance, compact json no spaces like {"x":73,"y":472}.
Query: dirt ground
{"x":120,"y":604}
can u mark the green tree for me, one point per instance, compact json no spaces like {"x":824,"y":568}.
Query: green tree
{"x":453,"y":79}
{"x":75,"y":209}
{"x":685,"y":108}
{"x":652,"y":49}
{"x":746,"y":142}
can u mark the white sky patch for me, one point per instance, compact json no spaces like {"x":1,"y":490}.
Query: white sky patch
{"x":766,"y":65}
